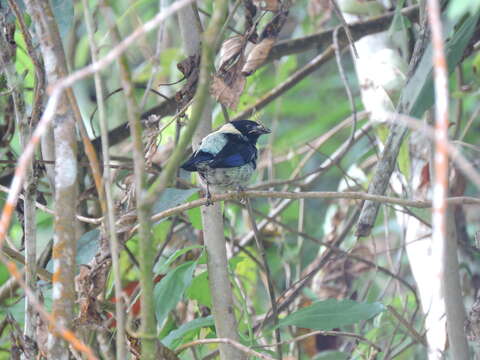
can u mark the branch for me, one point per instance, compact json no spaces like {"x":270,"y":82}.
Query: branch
{"x":443,"y":253}
{"x":283,"y":48}
{"x":329,"y":333}
{"x":324,"y":38}
{"x":108,"y":207}
{"x":55,"y":93}
{"x":231,"y":342}
{"x":268,"y":274}
{"x":460,"y":200}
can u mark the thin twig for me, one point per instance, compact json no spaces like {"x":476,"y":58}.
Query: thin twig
{"x":268,"y":274}
{"x":109,"y":212}
{"x":408,"y":326}
{"x":329,"y":333}
{"x":231,"y":342}
{"x":290,"y":82}
{"x":55,"y":94}
{"x":459,"y":200}
{"x":345,"y":27}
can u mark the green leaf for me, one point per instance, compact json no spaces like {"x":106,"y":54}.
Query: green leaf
{"x":333,"y":355}
{"x":404,"y":159}
{"x":418,"y":95}
{"x":88,"y":246}
{"x":160,"y":230}
{"x":172,"y":197}
{"x":330,"y":314}
{"x":169,"y":291}
{"x":163,"y":267}
{"x":457,"y":9}
{"x":63,"y":11}
{"x":194,"y":214}
{"x":199,"y":290}
{"x":399,"y":21}
{"x":173,"y":339}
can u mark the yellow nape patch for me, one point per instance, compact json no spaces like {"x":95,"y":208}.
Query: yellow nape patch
{"x":229,"y":129}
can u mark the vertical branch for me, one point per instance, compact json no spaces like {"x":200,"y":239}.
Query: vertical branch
{"x":107,"y":181}
{"x":212,"y":218}
{"x":146,"y":253}
{"x":440,"y":181}
{"x":64,"y":249}
{"x":29,"y":218}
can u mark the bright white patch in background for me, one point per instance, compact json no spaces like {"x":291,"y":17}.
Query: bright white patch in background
{"x":66,"y":165}
{"x":57,"y":291}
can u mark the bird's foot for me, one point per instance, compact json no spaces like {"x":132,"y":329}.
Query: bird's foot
{"x":208,"y":196}
{"x":241,"y":195}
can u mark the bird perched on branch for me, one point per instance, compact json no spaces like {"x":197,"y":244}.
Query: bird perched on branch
{"x":226,"y":158}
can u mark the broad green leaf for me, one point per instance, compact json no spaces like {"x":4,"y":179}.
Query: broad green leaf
{"x":173,"y":339}
{"x":333,"y":355}
{"x":194,"y":215}
{"x":88,"y":246}
{"x":18,"y":309}
{"x":331,"y":313}
{"x":169,"y":291}
{"x":404,"y":159}
{"x":160,"y":230}
{"x":418,"y":95}
{"x":459,"y":8}
{"x":172,"y":197}
{"x":63,"y":11}
{"x":399,"y":22}
{"x":199,"y":290}
{"x":162,"y":267}
{"x":24,"y":65}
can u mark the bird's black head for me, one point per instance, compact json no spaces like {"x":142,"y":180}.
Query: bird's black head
{"x":250,"y":129}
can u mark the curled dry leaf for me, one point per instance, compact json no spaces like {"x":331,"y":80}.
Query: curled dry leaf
{"x":227,"y":86}
{"x":230,"y":49}
{"x":190,"y":69}
{"x":267,"y":5}
{"x":257,"y":56}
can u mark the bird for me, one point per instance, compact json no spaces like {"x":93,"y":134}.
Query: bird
{"x":226,"y":158}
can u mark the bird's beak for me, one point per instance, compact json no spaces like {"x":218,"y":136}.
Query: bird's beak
{"x":260,"y":129}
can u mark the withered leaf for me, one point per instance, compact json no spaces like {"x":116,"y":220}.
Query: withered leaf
{"x":257,"y":56}
{"x":190,"y":69}
{"x":230,"y":49}
{"x":228,"y":85}
{"x":267,"y":5}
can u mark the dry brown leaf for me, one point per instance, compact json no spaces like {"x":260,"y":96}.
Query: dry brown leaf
{"x":257,"y":56}
{"x":230,"y":49}
{"x":267,"y":5}
{"x":228,"y":86}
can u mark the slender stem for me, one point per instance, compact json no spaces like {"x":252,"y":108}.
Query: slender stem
{"x":271,"y":289}
{"x":107,"y":182}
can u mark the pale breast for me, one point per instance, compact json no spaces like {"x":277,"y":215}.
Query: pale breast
{"x":228,"y":178}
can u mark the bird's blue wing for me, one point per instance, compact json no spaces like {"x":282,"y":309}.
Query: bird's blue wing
{"x":235,"y":154}
{"x":196,"y":158}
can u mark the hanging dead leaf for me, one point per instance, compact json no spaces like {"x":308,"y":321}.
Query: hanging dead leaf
{"x":425,"y":176}
{"x":230,"y":49}
{"x":257,"y":56}
{"x":225,"y":94}
{"x":228,"y":86}
{"x":267,"y":5}
{"x":190,"y":68}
